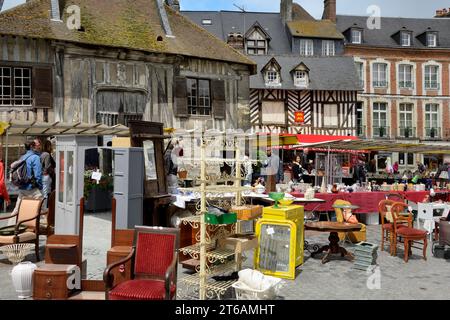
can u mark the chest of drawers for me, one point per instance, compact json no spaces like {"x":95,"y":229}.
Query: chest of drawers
{"x":50,"y":282}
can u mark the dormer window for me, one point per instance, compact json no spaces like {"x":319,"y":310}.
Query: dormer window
{"x":272,"y":78}
{"x":328,"y":48}
{"x":405,"y":38}
{"x":256,"y":40}
{"x":301,"y":79}
{"x":356,"y":36}
{"x":431,"y":39}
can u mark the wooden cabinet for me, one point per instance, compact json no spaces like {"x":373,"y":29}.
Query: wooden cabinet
{"x":123,"y":273}
{"x":50,"y":282}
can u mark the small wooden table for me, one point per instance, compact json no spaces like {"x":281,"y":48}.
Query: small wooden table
{"x":333,"y":247}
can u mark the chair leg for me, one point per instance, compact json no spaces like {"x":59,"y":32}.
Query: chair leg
{"x":382,"y":239}
{"x":36,"y":251}
{"x":425,"y":244}
{"x":406,"y":241}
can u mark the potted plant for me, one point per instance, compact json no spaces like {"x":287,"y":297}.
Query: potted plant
{"x":97,"y":195}
{"x":382,"y":131}
{"x":407,"y":132}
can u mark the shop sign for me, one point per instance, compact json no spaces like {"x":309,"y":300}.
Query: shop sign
{"x":299,"y":117}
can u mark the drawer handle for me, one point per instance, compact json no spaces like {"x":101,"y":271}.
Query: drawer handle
{"x":122,"y":268}
{"x":49,"y":282}
{"x":48,"y":295}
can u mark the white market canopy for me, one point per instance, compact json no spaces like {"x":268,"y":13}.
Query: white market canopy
{"x":36,"y":128}
{"x":388,"y":146}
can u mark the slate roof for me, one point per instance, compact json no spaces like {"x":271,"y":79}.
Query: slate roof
{"x":224,"y":22}
{"x":326,"y":73}
{"x":119,"y":23}
{"x":390,"y":26}
{"x":314,"y":29}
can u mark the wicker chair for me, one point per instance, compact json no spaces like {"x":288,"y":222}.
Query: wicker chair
{"x":354,"y":236}
{"x":154,"y":267}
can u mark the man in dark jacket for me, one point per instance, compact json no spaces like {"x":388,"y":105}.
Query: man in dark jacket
{"x":33,"y":189}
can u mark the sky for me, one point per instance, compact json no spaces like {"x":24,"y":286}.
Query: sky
{"x":389,"y":8}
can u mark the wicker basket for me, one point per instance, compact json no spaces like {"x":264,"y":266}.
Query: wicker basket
{"x":244,"y":292}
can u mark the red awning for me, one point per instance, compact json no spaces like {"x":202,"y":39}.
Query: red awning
{"x":305,"y":139}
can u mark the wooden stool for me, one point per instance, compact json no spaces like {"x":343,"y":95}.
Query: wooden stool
{"x":411,"y":234}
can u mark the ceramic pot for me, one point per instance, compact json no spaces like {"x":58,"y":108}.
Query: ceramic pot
{"x":22,"y":277}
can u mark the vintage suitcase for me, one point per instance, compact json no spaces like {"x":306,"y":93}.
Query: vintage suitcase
{"x":50,"y":282}
{"x":123,"y":273}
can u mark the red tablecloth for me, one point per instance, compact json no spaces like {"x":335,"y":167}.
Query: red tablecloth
{"x":367,"y":201}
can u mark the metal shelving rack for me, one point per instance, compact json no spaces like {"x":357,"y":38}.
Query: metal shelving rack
{"x":213,"y":261}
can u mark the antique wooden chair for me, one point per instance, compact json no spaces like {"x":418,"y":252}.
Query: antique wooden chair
{"x":407,"y":233}
{"x":26,"y":227}
{"x":154,"y":258}
{"x":353,"y":236}
{"x":387,"y":223}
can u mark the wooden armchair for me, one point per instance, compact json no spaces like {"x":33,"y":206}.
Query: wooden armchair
{"x":27,"y":217}
{"x":353,"y":236}
{"x":154,"y":258}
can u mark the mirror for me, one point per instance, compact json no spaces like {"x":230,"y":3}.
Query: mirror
{"x":98,"y":193}
{"x":150,"y":160}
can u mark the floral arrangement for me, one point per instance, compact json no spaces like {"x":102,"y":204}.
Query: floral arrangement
{"x":106,"y":183}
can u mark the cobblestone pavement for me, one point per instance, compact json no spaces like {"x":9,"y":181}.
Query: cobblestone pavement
{"x":415,"y":280}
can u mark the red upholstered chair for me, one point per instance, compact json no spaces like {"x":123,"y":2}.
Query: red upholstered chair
{"x":407,"y":233}
{"x":154,"y":267}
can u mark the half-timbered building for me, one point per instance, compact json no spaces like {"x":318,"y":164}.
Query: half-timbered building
{"x":304,"y":83}
{"x":111,"y":61}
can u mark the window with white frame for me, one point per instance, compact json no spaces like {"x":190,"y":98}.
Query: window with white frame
{"x":356,"y":36}
{"x":431,"y":39}
{"x":432,"y":129}
{"x":380,"y":120}
{"x":301,"y":79}
{"x":406,"y":159}
{"x":406,"y":111}
{"x":272,"y":77}
{"x":306,"y":47}
{"x":360,"y":69}
{"x":330,"y":115}
{"x":405,"y":38}
{"x":15,"y":86}
{"x":328,"y":48}
{"x":256,"y":44}
{"x":432,"y":77}
{"x":405,"y":74}
{"x":379,"y":75}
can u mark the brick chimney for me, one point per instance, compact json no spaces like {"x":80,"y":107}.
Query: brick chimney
{"x":329,"y":10}
{"x":286,"y":11}
{"x":174,"y":4}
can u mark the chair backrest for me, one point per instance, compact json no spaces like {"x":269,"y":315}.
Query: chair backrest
{"x":397,"y":208}
{"x":338,"y":211}
{"x":395,"y":197}
{"x":30,"y":208}
{"x":155,"y":250}
{"x":385,"y":206}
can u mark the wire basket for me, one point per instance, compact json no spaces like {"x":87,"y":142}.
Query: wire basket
{"x":244,"y":292}
{"x":17,"y":252}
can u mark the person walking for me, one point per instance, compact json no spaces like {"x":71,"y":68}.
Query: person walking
{"x":32,"y":187}
{"x":48,"y":167}
{"x":272,"y":167}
